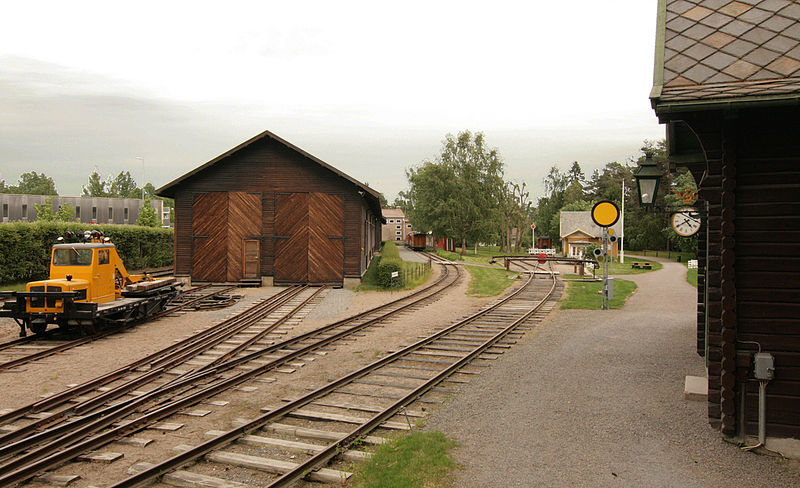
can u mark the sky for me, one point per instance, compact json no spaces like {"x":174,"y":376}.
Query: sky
{"x":371,"y":88}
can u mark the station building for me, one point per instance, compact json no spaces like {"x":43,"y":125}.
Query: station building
{"x":578,"y":231}
{"x":268,"y":212}
{"x":727,"y":87}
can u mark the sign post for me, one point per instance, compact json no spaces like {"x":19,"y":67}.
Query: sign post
{"x":605,"y":214}
{"x":533,"y":241}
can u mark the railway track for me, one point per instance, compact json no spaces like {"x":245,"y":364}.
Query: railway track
{"x":48,"y":442}
{"x":435,"y":258}
{"x":39,"y":346}
{"x":317,"y":435}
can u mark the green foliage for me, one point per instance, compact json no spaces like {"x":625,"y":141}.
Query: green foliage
{"x":31,"y":183}
{"x":121,"y":186}
{"x":489,"y":282}
{"x":691,"y":277}
{"x":147,"y":215}
{"x":95,"y":187}
{"x":44,"y":212}
{"x":452,"y":256}
{"x":459,"y":193}
{"x":124,"y":186}
{"x":420,"y":459}
{"x":389,"y":263}
{"x":26,"y":247}
{"x":586,"y":295}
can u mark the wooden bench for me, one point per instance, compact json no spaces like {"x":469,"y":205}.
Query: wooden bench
{"x":641,"y":265}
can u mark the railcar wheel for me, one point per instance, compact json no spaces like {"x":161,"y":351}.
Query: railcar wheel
{"x":38,"y":327}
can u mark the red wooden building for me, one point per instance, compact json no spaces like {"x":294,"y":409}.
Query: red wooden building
{"x":727,"y":85}
{"x":267,"y":211}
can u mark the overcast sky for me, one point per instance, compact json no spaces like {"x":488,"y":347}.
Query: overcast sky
{"x":368,"y":87}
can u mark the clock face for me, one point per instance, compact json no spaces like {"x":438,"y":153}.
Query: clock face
{"x":686,"y":221}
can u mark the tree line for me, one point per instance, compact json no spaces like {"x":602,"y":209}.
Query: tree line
{"x":462,"y":193}
{"x":121,"y":186}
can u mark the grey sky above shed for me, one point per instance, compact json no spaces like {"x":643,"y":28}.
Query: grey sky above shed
{"x":372,"y":89}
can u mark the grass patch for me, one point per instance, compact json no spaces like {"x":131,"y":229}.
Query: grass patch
{"x":452,"y":256}
{"x":13,"y":286}
{"x":674,"y":255}
{"x":483,"y":256}
{"x":421,"y":459}
{"x":626,"y":268}
{"x":691,"y":277}
{"x":586,"y":295}
{"x":488,"y":282}
{"x":413,"y":273}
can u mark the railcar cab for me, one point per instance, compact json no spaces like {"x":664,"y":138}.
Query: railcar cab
{"x":88,"y":271}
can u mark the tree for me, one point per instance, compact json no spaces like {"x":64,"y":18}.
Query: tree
{"x":516,"y":211}
{"x":459,"y":193}
{"x":44,"y":212}
{"x":34,"y":183}
{"x":147,"y":214}
{"x":95,"y":187}
{"x":149,"y":189}
{"x":123,"y":186}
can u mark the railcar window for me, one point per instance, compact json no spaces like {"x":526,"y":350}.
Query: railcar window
{"x":102,"y":256}
{"x":72,"y":257}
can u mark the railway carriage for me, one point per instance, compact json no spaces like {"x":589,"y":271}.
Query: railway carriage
{"x":88,"y":286}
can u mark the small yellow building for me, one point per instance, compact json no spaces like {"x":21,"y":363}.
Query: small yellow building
{"x":577,"y":231}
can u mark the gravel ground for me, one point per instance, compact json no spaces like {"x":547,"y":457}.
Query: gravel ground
{"x":596,"y":399}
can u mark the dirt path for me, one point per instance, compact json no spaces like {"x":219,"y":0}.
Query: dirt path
{"x":596,"y":399}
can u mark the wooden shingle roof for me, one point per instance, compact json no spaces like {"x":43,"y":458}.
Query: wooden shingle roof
{"x":371,"y":195}
{"x":711,"y":52}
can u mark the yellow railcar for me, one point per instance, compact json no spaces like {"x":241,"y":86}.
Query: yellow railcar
{"x":88,"y":286}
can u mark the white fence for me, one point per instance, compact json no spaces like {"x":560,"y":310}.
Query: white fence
{"x":692,"y":264}
{"x":548,"y":252}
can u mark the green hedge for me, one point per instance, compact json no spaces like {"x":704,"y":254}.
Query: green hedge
{"x":390,"y":262}
{"x":25,"y":254}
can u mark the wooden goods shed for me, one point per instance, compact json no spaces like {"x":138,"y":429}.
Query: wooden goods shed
{"x":267,"y":211}
{"x":727,"y":85}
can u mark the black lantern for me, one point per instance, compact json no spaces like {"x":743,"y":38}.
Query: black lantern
{"x":647,"y":177}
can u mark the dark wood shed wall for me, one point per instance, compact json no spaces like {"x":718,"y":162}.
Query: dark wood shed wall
{"x":751,"y":269}
{"x":268,"y":167}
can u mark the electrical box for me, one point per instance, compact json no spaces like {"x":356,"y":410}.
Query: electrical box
{"x":764,"y":366}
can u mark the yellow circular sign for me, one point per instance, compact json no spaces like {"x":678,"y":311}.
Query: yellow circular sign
{"x":605,"y":213}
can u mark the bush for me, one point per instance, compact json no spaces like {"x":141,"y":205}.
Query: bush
{"x":390,"y":262}
{"x":26,"y":247}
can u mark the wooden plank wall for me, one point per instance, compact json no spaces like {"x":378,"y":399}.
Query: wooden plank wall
{"x":209,"y":232}
{"x":325,"y":238}
{"x":268,"y":167}
{"x":768,"y":260}
{"x":752,"y":267}
{"x":244,"y":221}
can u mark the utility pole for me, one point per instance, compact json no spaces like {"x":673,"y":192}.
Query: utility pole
{"x":622,"y":227}
{"x":142,"y":160}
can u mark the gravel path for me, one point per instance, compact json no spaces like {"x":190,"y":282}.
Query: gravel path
{"x":595,"y":399}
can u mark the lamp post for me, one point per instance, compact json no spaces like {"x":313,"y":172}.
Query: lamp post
{"x":647,"y":178}
{"x":140,"y":158}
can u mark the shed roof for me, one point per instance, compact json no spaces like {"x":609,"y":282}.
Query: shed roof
{"x":168,"y":190}
{"x":713,"y":52}
{"x":572,"y":221}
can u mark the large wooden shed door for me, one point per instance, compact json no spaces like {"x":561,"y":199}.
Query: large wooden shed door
{"x":222,"y":225}
{"x":209,"y":233}
{"x":309,"y":238}
{"x":325,"y":238}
